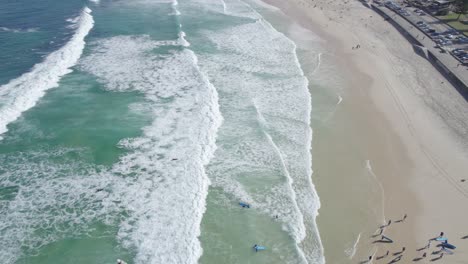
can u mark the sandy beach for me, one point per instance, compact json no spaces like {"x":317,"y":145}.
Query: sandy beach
{"x":400,"y":129}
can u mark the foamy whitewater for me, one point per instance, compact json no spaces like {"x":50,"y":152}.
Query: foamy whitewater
{"x":22,"y":93}
{"x":209,"y":99}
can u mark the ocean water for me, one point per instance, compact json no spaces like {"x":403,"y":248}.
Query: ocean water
{"x":132,"y":130}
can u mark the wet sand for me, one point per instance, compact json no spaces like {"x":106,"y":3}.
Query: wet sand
{"x":396,"y":144}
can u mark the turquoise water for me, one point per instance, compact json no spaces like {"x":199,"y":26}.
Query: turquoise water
{"x":136,"y":133}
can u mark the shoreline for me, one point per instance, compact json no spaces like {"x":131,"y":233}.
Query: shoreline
{"x":415,"y":142}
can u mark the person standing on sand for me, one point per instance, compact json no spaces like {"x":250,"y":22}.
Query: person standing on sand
{"x":396,"y":259}
{"x":428,"y":244}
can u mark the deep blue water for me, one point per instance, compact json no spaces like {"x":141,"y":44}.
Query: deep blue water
{"x":29,"y":30}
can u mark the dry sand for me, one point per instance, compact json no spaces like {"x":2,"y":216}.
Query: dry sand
{"x":404,"y":117}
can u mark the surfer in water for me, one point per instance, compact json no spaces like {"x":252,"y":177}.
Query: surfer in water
{"x":119,"y":261}
{"x":244,"y":205}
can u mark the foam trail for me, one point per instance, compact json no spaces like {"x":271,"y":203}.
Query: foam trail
{"x":352,"y":251}
{"x":308,"y":200}
{"x":14,"y":30}
{"x":182,"y":39}
{"x":23,"y":92}
{"x":224,"y":6}
{"x":319,"y":62}
{"x":369,"y":168}
{"x":300,"y":225}
{"x":339,"y":99}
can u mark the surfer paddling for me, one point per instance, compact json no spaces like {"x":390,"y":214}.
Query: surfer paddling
{"x":257,"y":247}
{"x":244,"y":205}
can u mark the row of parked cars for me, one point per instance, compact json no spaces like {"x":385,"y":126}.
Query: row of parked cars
{"x":419,"y":12}
{"x":397,"y":8}
{"x":461,"y":55}
{"x":448,"y":37}
{"x":443,"y":39}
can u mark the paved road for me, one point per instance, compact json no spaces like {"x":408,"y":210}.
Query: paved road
{"x":447,"y":59}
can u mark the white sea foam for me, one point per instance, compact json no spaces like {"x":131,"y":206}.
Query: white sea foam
{"x":23,"y":92}
{"x":382,"y":192}
{"x":350,"y":252}
{"x":319,"y":61}
{"x":165,"y":183}
{"x":296,"y":222}
{"x":340,"y":99}
{"x":56,"y":199}
{"x":224,"y":6}
{"x":270,"y":75}
{"x":18,"y":30}
{"x":182,"y":40}
{"x":231,"y":8}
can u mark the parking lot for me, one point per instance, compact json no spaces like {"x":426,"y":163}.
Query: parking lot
{"x":445,"y":37}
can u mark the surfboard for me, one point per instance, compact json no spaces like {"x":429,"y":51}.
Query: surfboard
{"x":244,"y":205}
{"x":441,"y":239}
{"x":260,"y":248}
{"x":447,"y":245}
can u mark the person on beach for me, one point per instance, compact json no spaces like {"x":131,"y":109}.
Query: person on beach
{"x":404,"y":217}
{"x":396,"y":259}
{"x":386,"y":238}
{"x":389,"y":222}
{"x":424,"y":255}
{"x":403,"y":249}
{"x":428,"y":244}
{"x":388,"y":252}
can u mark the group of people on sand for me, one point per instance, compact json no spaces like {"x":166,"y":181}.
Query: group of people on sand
{"x":443,"y":247}
{"x":385,"y":239}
